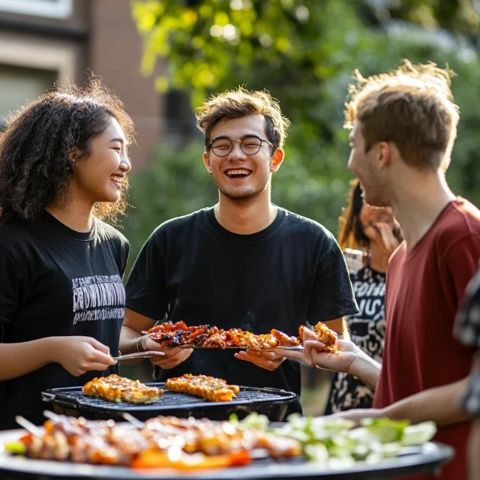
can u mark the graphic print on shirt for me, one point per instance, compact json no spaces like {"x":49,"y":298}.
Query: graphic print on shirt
{"x":367,"y":330}
{"x":99,"y":297}
{"x":367,"y":327}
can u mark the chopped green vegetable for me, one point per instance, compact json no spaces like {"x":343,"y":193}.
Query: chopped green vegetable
{"x":419,"y":434}
{"x":384,"y":429}
{"x":15,"y":448}
{"x":338,"y":443}
{"x":252,"y":420}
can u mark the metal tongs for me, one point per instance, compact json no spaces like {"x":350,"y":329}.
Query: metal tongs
{"x":133,"y":356}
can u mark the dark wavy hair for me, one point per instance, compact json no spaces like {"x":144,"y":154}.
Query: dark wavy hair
{"x":350,"y":231}
{"x":36,"y":161}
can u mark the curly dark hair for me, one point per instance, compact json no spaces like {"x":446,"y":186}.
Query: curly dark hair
{"x":36,"y":161}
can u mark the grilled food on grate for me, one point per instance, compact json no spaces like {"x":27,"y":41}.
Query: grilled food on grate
{"x":120,"y":389}
{"x":209,"y":388}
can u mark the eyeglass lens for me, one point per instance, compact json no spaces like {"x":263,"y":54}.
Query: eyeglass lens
{"x":249,"y":146}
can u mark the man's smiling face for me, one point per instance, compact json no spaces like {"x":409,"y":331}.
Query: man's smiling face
{"x":239,"y":175}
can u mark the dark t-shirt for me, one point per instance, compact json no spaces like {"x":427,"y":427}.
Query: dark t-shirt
{"x":193,"y":269}
{"x":56,"y":282}
{"x":423,"y":293}
{"x":367,"y":331}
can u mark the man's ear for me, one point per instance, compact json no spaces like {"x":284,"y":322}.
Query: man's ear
{"x":206,"y":162}
{"x":277,"y":159}
{"x":384,"y":154}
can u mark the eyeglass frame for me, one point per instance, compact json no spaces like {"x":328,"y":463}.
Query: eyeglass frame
{"x":240,"y":140}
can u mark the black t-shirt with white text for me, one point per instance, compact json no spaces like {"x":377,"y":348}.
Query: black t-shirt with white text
{"x":56,"y":282}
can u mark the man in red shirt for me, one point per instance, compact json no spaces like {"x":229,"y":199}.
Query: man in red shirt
{"x":403,"y":126}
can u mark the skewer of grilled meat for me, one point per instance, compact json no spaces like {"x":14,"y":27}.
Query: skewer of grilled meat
{"x":106,"y":442}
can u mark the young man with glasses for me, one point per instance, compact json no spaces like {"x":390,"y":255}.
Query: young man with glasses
{"x":243,"y":263}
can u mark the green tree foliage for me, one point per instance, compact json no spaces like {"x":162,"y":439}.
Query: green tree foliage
{"x":458,"y":16}
{"x":176,"y":183}
{"x":304,"y":53}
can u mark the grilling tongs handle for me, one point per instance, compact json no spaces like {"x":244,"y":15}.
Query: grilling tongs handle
{"x":132,"y":356}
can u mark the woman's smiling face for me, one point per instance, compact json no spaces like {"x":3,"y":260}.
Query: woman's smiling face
{"x":101,"y":174}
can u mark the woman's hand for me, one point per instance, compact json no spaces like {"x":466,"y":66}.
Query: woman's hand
{"x":79,"y":355}
{"x":339,"y":361}
{"x":386,"y":237}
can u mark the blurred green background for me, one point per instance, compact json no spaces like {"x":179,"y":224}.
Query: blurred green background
{"x":304,"y":52}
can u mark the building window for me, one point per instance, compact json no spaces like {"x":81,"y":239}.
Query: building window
{"x":41,"y":8}
{"x":19,"y":85}
{"x":28,"y":68}
{"x":179,"y":118}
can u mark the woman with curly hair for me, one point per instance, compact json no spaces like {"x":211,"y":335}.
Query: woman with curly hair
{"x":368,"y":236}
{"x":63,"y":166}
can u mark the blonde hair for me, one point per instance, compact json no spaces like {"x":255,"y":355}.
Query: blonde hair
{"x":412,"y":107}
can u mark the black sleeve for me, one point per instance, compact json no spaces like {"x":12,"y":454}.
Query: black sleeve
{"x":467,"y":323}
{"x":11,"y":286}
{"x":125,"y":249}
{"x":332,"y":294}
{"x":146,"y":286}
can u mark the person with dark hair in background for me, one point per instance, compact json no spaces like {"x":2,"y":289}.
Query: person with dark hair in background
{"x":243,"y":263}
{"x":63,"y":166}
{"x":368,"y":236}
{"x":403,"y":126}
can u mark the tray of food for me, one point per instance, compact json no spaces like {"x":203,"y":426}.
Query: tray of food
{"x":170,"y":447}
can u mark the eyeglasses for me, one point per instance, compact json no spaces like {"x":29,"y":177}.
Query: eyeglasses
{"x":249,"y":145}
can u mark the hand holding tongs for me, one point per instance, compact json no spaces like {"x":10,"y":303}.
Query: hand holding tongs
{"x":133,"y":356}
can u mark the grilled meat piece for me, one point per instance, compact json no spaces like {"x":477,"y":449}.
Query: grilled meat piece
{"x":209,"y":388}
{"x":120,"y":389}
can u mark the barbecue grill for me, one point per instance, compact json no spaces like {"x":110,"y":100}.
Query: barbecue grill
{"x":268,"y":401}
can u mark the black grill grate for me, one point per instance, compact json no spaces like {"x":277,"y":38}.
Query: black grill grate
{"x":73,"y":401}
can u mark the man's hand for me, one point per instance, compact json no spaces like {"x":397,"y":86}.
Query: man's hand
{"x":173,"y":355}
{"x":269,"y":360}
